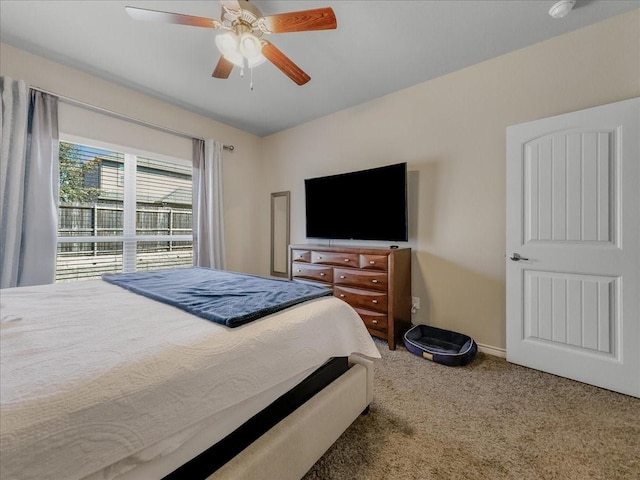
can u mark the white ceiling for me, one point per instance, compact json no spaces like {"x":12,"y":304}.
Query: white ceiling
{"x":379,"y":47}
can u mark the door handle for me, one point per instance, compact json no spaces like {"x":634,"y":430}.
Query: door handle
{"x":516,"y":257}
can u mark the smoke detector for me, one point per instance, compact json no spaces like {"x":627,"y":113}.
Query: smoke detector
{"x":561,"y":8}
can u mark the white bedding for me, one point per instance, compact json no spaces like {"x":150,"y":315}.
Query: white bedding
{"x":91,"y":374}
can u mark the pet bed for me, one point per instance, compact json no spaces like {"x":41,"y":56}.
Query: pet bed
{"x":439,"y":345}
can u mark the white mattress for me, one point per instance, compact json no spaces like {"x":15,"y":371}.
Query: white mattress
{"x":91,"y":374}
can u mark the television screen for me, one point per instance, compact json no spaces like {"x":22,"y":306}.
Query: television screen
{"x":363,"y":205}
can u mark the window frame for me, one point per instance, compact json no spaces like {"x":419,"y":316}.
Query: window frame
{"x":129,"y":238}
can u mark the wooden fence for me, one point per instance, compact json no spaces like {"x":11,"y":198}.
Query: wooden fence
{"x":85,"y":260}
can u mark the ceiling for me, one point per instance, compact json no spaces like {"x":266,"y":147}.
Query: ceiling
{"x":379,"y":47}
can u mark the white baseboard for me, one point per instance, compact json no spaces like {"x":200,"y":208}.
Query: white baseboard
{"x":495,"y":351}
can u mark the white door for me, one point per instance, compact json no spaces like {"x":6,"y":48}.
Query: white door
{"x":573,"y":245}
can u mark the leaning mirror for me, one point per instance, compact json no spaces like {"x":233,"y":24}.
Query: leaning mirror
{"x":280,"y":234}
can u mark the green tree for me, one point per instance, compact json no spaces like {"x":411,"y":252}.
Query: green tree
{"x":74,"y":169}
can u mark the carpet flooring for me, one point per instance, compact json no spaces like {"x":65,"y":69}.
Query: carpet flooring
{"x":488,"y":420}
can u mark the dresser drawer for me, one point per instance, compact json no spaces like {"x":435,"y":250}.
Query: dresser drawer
{"x":332,"y":258}
{"x":360,"y":278}
{"x":374,"y":262}
{"x":300,"y":256}
{"x":373,"y":320}
{"x":362,"y":299}
{"x":312,"y":272}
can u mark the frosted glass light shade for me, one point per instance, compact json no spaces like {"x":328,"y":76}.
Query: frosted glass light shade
{"x":255,"y":61}
{"x":235,"y":58}
{"x":227,"y":43}
{"x":238,"y":48}
{"x":250,"y":47}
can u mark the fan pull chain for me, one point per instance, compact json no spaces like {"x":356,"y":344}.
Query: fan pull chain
{"x":242,"y":72}
{"x":251,"y":80}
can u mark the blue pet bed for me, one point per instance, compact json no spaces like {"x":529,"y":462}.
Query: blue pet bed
{"x":440,"y":346}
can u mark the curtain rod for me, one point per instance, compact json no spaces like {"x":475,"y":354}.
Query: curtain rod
{"x":121,"y":116}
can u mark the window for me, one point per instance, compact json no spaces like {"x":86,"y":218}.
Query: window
{"x":121,"y":212}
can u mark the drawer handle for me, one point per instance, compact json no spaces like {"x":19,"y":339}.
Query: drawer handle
{"x":322,"y":274}
{"x":374,"y":281}
{"x":342,"y":276}
{"x":374,"y":301}
{"x":371,"y":262}
{"x":346,"y":259}
{"x":374,"y":321}
{"x":342,"y":295}
{"x":319,"y":257}
{"x":299,"y":271}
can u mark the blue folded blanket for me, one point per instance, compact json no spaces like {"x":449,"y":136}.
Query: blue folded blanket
{"x":228,"y":298}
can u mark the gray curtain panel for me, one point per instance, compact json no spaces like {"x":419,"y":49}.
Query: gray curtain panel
{"x":208,"y":208}
{"x":29,"y":185}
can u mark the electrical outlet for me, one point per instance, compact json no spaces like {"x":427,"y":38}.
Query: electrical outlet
{"x":415,"y":304}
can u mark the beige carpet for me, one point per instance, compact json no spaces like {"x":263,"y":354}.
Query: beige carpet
{"x":489,"y":420}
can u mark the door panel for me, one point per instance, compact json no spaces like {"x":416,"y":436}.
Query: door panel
{"x":569,"y":309}
{"x":573,"y":216}
{"x":567,"y":187}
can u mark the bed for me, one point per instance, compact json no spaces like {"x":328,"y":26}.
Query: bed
{"x":98,"y":382}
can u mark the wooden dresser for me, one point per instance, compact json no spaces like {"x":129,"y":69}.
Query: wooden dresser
{"x":376,"y":282}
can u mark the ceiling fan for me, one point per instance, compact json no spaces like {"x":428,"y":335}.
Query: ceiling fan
{"x":245,"y":27}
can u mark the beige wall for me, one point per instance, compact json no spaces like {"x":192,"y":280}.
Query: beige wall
{"x":239,"y":168}
{"x":451,"y":131}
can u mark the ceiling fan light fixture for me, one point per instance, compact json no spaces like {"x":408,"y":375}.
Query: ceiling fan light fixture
{"x":238,"y":48}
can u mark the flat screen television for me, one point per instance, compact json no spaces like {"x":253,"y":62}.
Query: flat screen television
{"x":363,"y":205}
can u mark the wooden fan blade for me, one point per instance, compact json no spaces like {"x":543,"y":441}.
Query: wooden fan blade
{"x":280,"y":60}
{"x":223,"y":68}
{"x":168,"y":17}
{"x":305,"y":20}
